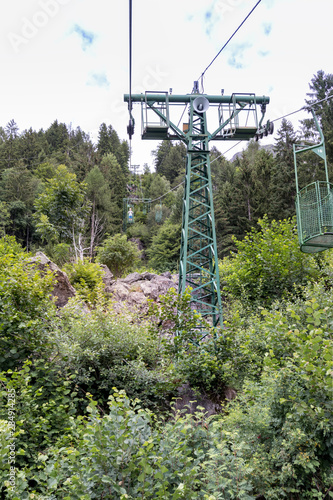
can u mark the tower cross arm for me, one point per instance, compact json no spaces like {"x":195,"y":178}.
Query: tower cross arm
{"x":185,"y":98}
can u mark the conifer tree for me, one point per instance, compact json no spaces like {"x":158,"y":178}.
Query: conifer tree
{"x":283,"y":187}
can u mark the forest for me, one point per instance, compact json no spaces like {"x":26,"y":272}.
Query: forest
{"x":87,"y":407}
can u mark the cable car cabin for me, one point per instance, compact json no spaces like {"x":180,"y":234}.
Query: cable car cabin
{"x":130,"y":216}
{"x":238,"y":119}
{"x":155,"y":118}
{"x":159,"y":214}
{"x":314,"y":210}
{"x":314,"y":204}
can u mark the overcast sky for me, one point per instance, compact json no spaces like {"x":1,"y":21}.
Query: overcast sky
{"x":68,"y":59}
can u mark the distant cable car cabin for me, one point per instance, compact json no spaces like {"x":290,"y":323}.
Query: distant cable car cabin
{"x":130,"y":215}
{"x":159,"y":213}
{"x":132,"y":208}
{"x":314,"y":204}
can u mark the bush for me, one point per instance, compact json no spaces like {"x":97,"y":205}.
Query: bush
{"x":106,"y":351}
{"x":118,"y":254}
{"x":27,"y":313}
{"x":86,"y":277}
{"x":268,"y":264}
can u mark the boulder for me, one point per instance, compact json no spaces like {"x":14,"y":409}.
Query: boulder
{"x":132,"y":293}
{"x":62,"y":289}
{"x":108,"y":278}
{"x":189,"y":400}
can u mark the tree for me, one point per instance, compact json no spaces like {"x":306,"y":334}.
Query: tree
{"x":321,"y":88}
{"x":116,"y":181}
{"x":283,"y":186}
{"x":109,"y":142}
{"x":18,"y":187}
{"x":170,"y":160}
{"x":118,"y":254}
{"x":268,"y":263}
{"x":82,"y":155}
{"x":159,"y":187}
{"x":165,"y":248}
{"x":62,"y":210}
{"x":31,"y":146}
{"x":57,"y":137}
{"x":99,"y":194}
{"x":9,"y":148}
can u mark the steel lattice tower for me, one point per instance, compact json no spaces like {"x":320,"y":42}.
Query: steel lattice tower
{"x":198,"y":266}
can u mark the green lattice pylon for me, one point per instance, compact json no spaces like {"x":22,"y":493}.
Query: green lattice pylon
{"x":198,"y":265}
{"x":237,"y":119}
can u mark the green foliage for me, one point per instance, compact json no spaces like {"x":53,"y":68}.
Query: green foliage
{"x":106,"y":350}
{"x":268,"y":264}
{"x":86,"y":277}
{"x":61,"y":209}
{"x":281,"y":425}
{"x":165,"y":248}
{"x":44,"y":401}
{"x":26,"y":311}
{"x":138,"y":230}
{"x":60,"y":253}
{"x":118,"y":254}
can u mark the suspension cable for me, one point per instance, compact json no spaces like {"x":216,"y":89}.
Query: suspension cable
{"x":234,"y":33}
{"x":130,"y":127}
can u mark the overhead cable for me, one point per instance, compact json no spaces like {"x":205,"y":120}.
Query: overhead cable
{"x":234,"y":33}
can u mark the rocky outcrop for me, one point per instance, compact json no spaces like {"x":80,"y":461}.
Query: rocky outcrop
{"x":108,"y":278}
{"x":62,"y":290}
{"x":132,"y":293}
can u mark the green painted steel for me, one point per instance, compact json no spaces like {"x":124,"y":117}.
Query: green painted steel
{"x":186,"y":98}
{"x":198,"y":266}
{"x":314,"y":203}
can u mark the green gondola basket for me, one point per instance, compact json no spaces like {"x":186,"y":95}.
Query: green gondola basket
{"x":314,"y":211}
{"x":314,"y":204}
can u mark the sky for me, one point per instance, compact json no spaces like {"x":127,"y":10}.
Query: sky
{"x":69,"y":59}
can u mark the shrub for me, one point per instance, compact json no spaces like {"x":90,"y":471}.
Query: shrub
{"x":268,"y":264}
{"x":165,"y":248}
{"x":27,"y":313}
{"x":106,"y":350}
{"x":118,"y":254}
{"x":86,"y":277}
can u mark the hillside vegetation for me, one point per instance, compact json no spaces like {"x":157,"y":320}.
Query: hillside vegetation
{"x":87,"y":406}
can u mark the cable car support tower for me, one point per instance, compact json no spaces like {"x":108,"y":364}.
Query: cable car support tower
{"x":237,"y":119}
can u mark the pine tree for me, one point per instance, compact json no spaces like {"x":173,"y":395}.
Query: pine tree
{"x":283,"y":187}
{"x":170,"y":160}
{"x":321,"y":88}
{"x":116,"y":181}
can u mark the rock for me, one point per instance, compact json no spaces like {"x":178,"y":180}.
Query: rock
{"x":108,"y":278}
{"x":131,"y":278}
{"x":62,"y":290}
{"x":132,"y":293}
{"x":167,"y":274}
{"x":129,"y":294}
{"x":189,"y":400}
